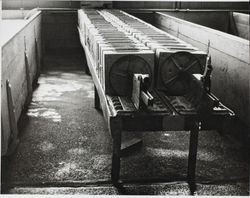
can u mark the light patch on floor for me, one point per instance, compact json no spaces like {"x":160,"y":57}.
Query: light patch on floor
{"x":89,"y":90}
{"x":65,"y":170}
{"x":100,"y":162}
{"x":170,"y":136}
{"x":207,"y":156}
{"x":51,"y":88}
{"x":84,"y":172}
{"x":167,"y":152}
{"x":77,"y":151}
{"x":46,"y":146}
{"x":159,"y":152}
{"x":166,"y":135}
{"x":83,"y":138}
{"x":70,"y":169}
{"x":48,"y":113}
{"x":55,"y":191}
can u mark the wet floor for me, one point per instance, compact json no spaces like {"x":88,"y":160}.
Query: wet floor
{"x":65,"y":147}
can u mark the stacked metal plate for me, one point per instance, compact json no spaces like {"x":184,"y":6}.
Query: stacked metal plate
{"x":174,"y":58}
{"x":116,"y":54}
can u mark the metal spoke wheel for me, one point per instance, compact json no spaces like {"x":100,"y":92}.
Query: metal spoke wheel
{"x":175,"y":72}
{"x":121,"y":73}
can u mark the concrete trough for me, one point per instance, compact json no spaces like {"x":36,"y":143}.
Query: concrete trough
{"x":230,"y":53}
{"x":21,"y":38}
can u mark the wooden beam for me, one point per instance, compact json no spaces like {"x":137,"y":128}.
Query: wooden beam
{"x":12,"y":118}
{"x":232,"y":26}
{"x":28,"y":78}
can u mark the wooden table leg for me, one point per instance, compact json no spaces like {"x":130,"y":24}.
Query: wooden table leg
{"x":193,"y":144}
{"x":116,"y":130}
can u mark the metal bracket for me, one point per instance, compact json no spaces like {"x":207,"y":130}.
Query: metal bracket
{"x":206,"y":77}
{"x":140,"y":94}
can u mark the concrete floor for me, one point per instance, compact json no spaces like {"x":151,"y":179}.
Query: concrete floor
{"x":65,"y":147}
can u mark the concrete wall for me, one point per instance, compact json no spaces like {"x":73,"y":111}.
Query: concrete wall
{"x":56,"y":31}
{"x":143,"y":5}
{"x":230,"y":22}
{"x":242,"y":24}
{"x":13,"y":69}
{"x":234,"y":23}
{"x":60,"y":31}
{"x":216,"y":20}
{"x":230,"y":59}
{"x":179,"y":5}
{"x":29,"y":4}
{"x":14,"y":14}
{"x":147,"y":16}
{"x":214,"y":5}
